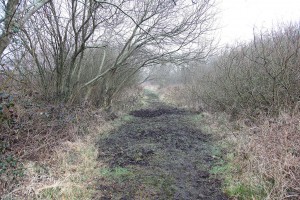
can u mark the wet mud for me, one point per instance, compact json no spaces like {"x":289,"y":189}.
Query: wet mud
{"x":158,"y":154}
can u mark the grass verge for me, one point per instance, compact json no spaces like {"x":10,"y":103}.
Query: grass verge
{"x":70,"y":172}
{"x":225,"y":152}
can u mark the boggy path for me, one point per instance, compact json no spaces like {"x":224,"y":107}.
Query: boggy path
{"x":157,"y":154}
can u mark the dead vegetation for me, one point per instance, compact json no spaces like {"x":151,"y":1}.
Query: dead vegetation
{"x":268,"y":156}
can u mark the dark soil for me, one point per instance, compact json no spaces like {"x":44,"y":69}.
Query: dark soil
{"x":156,"y":112}
{"x":158,"y":154}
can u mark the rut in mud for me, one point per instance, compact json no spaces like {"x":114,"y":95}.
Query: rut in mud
{"x":157,"y":154}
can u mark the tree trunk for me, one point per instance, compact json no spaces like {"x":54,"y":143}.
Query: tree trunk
{"x":4,"y":42}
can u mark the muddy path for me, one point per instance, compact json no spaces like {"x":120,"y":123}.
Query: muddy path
{"x":157,"y":154}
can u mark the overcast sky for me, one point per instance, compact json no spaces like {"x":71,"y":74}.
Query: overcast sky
{"x":238,"y":17}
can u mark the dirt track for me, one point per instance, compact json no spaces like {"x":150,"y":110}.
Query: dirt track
{"x":157,"y":154}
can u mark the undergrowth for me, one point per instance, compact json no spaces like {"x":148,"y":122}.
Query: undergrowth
{"x":69,"y":173}
{"x":50,"y":152}
{"x":260,"y":162}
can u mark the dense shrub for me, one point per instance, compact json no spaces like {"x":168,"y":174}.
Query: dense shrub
{"x":261,"y":76}
{"x":268,"y":156}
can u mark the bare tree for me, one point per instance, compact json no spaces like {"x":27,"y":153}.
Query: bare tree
{"x":141,"y":34}
{"x":158,"y":32}
{"x":57,"y":40}
{"x":259,"y":76}
{"x":15,"y":14}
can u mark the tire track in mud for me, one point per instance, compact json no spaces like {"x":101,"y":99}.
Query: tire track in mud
{"x":158,"y":154}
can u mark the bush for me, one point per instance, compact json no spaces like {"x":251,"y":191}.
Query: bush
{"x":259,"y":77}
{"x":269,"y":155}
{"x":7,"y":112}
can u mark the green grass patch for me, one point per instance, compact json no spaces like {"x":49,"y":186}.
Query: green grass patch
{"x":156,"y":181}
{"x":237,"y":190}
{"x":127,"y":118}
{"x":150,"y":94}
{"x":10,"y":166}
{"x":160,"y":182}
{"x":197,"y":118}
{"x":50,"y":193}
{"x":216,"y":151}
{"x":245,"y":192}
{"x":221,"y":169}
{"x":117,"y":173}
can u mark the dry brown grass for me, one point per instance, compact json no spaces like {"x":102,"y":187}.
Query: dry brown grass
{"x":69,"y":172}
{"x":54,"y":148}
{"x":269,"y":155}
{"x":128,"y":99}
{"x":178,"y":95}
{"x":263,"y":158}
